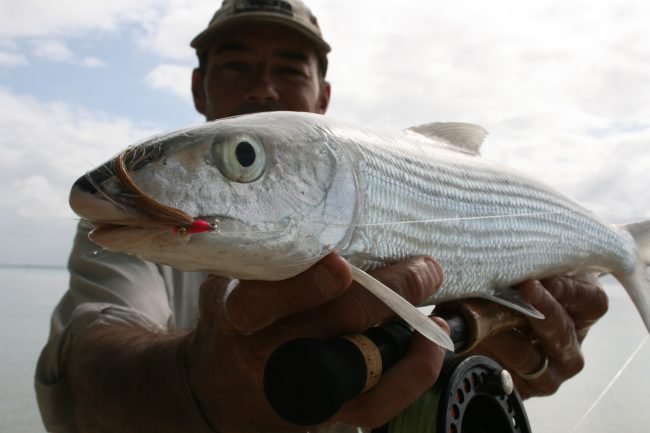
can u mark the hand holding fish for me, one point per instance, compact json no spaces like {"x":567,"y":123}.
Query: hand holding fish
{"x":241,"y":325}
{"x":552,"y":349}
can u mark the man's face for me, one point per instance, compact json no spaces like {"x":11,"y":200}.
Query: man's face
{"x":254,"y":68}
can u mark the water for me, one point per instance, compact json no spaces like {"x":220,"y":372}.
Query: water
{"x":28,"y":295}
{"x":27,"y":298}
{"x":608,"y":346}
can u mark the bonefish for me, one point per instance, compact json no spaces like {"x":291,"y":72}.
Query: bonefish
{"x":265,"y":196}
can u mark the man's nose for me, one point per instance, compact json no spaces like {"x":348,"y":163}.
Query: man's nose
{"x":262,"y":88}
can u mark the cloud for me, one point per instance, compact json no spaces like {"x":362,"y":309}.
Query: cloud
{"x":177,"y":24}
{"x":12,"y":60}
{"x":53,"y":50}
{"x":172,"y":78}
{"x":164,"y":27}
{"x":58,"y":51}
{"x":499,"y":61}
{"x":33,"y":196}
{"x":46,"y":146}
{"x":608,"y":174}
{"x":619,"y":182}
{"x":92,"y":62}
{"x":36,"y":18}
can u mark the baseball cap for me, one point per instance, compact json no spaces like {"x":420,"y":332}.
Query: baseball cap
{"x":291,"y":13}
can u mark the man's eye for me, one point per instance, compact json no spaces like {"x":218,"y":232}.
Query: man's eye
{"x":290,"y":71}
{"x":235,"y":66}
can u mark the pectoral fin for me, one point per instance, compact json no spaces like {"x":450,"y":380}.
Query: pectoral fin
{"x":414,"y":317}
{"x":511,"y":299}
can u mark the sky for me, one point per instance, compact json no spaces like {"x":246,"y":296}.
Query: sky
{"x":563,"y":87}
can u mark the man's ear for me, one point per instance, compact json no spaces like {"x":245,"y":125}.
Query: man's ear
{"x":198,"y":93}
{"x":324,"y":98}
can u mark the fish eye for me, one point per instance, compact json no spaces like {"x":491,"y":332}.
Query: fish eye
{"x":240,"y":158}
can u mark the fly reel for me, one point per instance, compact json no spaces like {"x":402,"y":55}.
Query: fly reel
{"x":307,"y":381}
{"x":473,"y":395}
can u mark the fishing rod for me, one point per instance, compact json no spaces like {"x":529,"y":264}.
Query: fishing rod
{"x":308,"y":380}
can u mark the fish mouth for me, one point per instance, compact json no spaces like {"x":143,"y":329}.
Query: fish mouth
{"x":107,"y":233}
{"x":103,"y":228}
{"x":110,"y":212}
{"x":139,"y":236}
{"x":106,"y":216}
{"x":199,"y":225}
{"x":125,"y":225}
{"x":111,"y":220}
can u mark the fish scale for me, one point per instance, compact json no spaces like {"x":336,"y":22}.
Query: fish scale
{"x":554,"y":237}
{"x":317,"y":185}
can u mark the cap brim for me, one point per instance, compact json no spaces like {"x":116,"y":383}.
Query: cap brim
{"x":204,"y":39}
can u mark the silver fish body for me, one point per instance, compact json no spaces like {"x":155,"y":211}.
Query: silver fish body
{"x":489,"y":226}
{"x":317,"y":185}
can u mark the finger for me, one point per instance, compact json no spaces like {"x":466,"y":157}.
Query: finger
{"x":253,"y":305}
{"x":546,"y":384}
{"x":415,"y":279}
{"x":211,"y":295}
{"x":525,"y":359}
{"x":399,"y":386}
{"x":556,"y":334}
{"x":515,"y":353}
{"x":583,"y":299}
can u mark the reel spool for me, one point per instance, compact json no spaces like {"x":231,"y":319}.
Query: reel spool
{"x":473,"y":395}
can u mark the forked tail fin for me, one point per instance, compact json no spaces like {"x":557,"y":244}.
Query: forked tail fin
{"x":637,"y":284}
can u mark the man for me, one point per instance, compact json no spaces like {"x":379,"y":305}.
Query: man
{"x":128,"y":353}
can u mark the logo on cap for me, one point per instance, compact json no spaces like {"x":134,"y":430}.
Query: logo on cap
{"x":277,"y":6}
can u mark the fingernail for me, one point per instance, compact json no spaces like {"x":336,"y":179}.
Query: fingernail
{"x":232,"y":312}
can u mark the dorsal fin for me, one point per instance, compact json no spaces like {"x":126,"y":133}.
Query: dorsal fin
{"x":466,"y":136}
